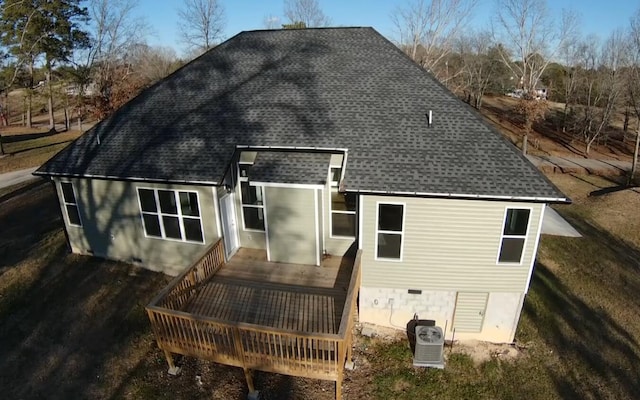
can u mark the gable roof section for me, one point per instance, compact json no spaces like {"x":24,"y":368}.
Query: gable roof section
{"x":290,"y":168}
{"x":346,"y":88}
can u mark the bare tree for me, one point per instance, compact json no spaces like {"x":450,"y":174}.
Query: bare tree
{"x":307,"y":12}
{"x":479,"y":68}
{"x":633,"y":84}
{"x":426,"y":30}
{"x":154,"y":63}
{"x":201,"y":23}
{"x":613,"y":61}
{"x":271,"y":22}
{"x":115,"y":32}
{"x":570,"y":55}
{"x":532,"y":38}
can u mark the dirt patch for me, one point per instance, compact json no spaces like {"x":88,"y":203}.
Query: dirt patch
{"x":481,"y":352}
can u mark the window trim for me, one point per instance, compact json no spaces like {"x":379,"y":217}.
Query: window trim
{"x":402,"y":233}
{"x":181,"y":217}
{"x":331,"y":211}
{"x":503,"y":236}
{"x":242,"y":205}
{"x":65,"y":204}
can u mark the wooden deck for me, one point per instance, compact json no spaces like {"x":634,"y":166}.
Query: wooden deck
{"x":292,"y":297}
{"x":284,"y":318}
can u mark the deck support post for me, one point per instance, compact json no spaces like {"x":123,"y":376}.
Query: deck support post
{"x":173,"y":370}
{"x":253,"y":393}
{"x":349,"y":349}
{"x":339,"y":385}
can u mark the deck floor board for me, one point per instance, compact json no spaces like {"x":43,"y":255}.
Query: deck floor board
{"x":285,"y":296}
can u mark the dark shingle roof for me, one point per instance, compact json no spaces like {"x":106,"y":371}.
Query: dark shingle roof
{"x":290,"y":167}
{"x":326,"y":88}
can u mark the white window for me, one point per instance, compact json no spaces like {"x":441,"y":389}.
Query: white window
{"x":171,"y":214}
{"x":514,"y":235}
{"x":389,"y":231}
{"x":70,"y":204}
{"x":252,"y":206}
{"x":343,"y":214}
{"x":251,"y":198}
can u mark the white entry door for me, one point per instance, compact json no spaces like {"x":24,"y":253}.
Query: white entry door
{"x":229,"y":228}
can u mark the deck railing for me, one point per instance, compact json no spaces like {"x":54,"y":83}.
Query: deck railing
{"x":312,"y":355}
{"x":184,"y":286}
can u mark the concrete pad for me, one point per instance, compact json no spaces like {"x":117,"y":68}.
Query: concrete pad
{"x":554,"y":224}
{"x":368,"y":331}
{"x":255,"y":395}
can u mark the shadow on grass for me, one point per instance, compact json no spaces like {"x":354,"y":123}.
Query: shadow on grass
{"x":26,"y":219}
{"x":27,"y":136}
{"x":585,"y":311}
{"x":44,"y":146}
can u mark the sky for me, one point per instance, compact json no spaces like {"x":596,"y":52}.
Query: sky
{"x":598,"y":17}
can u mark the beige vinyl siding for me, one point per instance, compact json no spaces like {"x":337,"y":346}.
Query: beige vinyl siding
{"x":112,"y":225}
{"x":292,"y":225}
{"x":469,"y":312}
{"x":448,"y":245}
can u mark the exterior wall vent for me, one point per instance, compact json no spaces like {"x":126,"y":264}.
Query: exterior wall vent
{"x":429,"y":347}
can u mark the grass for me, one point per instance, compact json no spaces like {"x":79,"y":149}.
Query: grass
{"x":28,"y":149}
{"x":579,"y":329}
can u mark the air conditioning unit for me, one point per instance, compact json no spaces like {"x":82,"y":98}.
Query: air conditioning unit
{"x":429,"y":347}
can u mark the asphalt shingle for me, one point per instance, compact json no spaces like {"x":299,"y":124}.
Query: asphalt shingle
{"x":323,"y":88}
{"x":290,"y":167}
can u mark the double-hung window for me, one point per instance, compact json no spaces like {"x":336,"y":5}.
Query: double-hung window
{"x":343,"y":214}
{"x":171,"y":214}
{"x":343,"y":208}
{"x":252,"y":200}
{"x":390,"y":231}
{"x":514,"y":234}
{"x":70,"y":204}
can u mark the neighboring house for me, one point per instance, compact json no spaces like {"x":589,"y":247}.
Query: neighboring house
{"x":308,"y":143}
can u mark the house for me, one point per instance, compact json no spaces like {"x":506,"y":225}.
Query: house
{"x":304,"y":147}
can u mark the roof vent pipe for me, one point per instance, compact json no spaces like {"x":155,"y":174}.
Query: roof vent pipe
{"x":98,"y":136}
{"x":430,"y":118}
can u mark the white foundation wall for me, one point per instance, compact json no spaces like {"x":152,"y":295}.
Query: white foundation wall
{"x":502,"y":316}
{"x":500,"y":321}
{"x":376,"y":308}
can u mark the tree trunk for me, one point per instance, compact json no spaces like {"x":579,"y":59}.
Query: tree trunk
{"x":525,"y":141}
{"x":80,"y":123}
{"x":634,"y":162}
{"x":66,"y":119}
{"x":1,"y":148}
{"x":52,"y":122}
{"x":28,"y":120}
{"x":625,"y":126}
